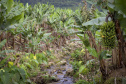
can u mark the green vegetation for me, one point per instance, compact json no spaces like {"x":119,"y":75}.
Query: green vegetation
{"x":84,"y":82}
{"x":13,"y":75}
{"x":34,"y":39}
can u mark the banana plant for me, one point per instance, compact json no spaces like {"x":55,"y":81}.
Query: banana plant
{"x":10,"y":13}
{"x":61,"y":20}
{"x":80,"y":19}
{"x":117,"y":15}
{"x":39,"y":11}
{"x":32,"y":36}
{"x":89,"y":26}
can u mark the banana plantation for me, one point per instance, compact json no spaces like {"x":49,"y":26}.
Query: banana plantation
{"x":42,"y":44}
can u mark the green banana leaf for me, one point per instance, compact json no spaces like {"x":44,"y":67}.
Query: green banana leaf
{"x":97,"y":21}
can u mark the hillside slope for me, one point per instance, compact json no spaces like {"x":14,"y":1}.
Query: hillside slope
{"x":56,"y":3}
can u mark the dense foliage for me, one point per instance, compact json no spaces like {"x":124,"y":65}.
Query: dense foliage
{"x":29,"y":33}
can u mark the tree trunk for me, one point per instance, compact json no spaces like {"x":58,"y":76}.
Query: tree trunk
{"x":102,"y":63}
{"x":121,"y":43}
{"x":115,"y":57}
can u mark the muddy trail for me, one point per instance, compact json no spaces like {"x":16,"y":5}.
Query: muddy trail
{"x":61,"y":71}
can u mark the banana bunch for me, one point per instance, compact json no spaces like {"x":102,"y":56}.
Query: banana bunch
{"x":108,"y":34}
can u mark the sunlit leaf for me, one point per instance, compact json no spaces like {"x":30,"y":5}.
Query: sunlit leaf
{"x":9,"y":5}
{"x":97,"y":21}
{"x":92,"y":51}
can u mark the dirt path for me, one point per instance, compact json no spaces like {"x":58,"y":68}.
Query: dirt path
{"x":61,"y":71}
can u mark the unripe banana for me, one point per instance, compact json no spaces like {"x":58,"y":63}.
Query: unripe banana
{"x":108,"y":34}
